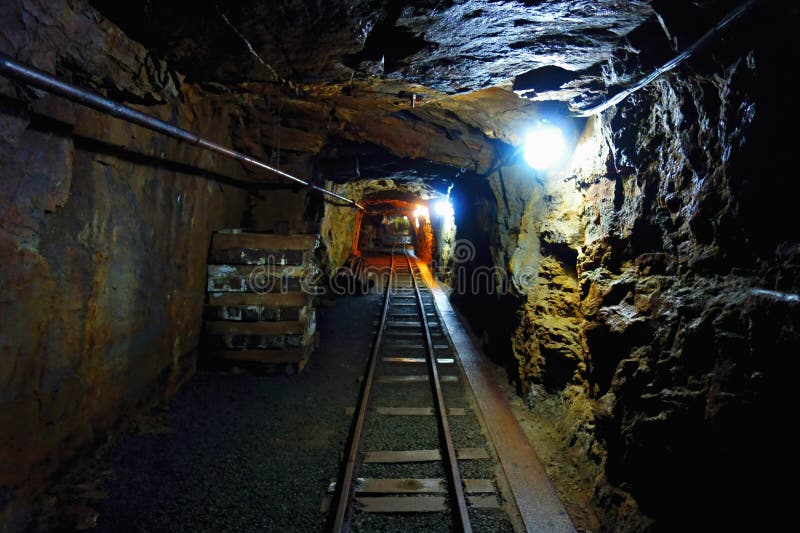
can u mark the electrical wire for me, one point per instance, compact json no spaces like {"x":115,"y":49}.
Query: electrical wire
{"x":672,"y":63}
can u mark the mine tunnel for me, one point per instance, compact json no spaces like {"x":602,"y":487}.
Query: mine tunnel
{"x":372,"y":265}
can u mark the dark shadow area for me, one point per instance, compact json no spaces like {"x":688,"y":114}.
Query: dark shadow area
{"x":388,"y":42}
{"x":231,"y":443}
{"x":490,"y":309}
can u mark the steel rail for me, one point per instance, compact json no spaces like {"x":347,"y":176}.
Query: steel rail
{"x":348,"y":479}
{"x":454,"y":477}
{"x":41,"y":80}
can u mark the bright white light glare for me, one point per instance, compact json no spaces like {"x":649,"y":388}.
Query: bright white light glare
{"x":443,"y":208}
{"x":421,"y":212}
{"x":544,"y":147}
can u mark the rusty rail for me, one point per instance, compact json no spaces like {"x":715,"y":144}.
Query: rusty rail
{"x":454,"y":477}
{"x":44,"y":81}
{"x":348,"y":478}
{"x":346,"y":484}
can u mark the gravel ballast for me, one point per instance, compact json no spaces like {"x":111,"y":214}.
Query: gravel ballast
{"x":235,"y":451}
{"x":245,"y":452}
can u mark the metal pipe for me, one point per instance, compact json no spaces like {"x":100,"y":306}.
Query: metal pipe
{"x":672,"y":63}
{"x":41,"y":80}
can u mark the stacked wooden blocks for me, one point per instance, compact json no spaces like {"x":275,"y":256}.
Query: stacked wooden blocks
{"x":260,"y":298}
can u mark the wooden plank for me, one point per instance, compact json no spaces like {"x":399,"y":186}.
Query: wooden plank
{"x":401,"y":486}
{"x":403,"y":351}
{"x":421,"y":456}
{"x":411,"y":411}
{"x":410,"y":344}
{"x":486,"y":502}
{"x":403,"y":456}
{"x":401,"y":504}
{"x":418,"y":360}
{"x":416,"y":411}
{"x":262,"y":285}
{"x":237,"y":256}
{"x":265,"y":241}
{"x":416,"y":486}
{"x":256,"y":256}
{"x":288,"y":299}
{"x":479,"y":486}
{"x":403,"y":343}
{"x":406,"y":324}
{"x":244,"y":271}
{"x":467,"y":454}
{"x":288,"y":327}
{"x":415,"y":379}
{"x":402,"y":334}
{"x":293,"y":355}
{"x":253,"y":313}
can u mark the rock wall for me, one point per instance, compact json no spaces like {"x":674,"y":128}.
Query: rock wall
{"x":104,"y":232}
{"x":662,"y":303}
{"x":689,"y":308}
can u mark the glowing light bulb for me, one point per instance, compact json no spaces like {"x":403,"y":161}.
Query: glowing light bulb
{"x":544,"y":147}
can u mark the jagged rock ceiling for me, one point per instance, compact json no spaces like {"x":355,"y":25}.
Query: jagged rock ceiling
{"x":546,"y":49}
{"x":450,"y":46}
{"x":461,"y":55}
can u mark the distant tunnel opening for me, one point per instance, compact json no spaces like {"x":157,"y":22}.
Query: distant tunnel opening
{"x":408,"y":221}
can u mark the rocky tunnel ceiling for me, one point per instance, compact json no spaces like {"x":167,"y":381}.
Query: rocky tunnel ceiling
{"x":450,"y":46}
{"x":363,"y":89}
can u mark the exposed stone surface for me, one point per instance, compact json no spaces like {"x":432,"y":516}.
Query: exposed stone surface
{"x":104,"y":230}
{"x":653,"y":340}
{"x":451,"y":46}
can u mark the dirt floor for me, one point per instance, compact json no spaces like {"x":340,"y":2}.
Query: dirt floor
{"x":230,"y":446}
{"x":574,"y":490}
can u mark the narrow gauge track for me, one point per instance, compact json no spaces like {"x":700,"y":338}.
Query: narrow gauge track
{"x":409,"y":337}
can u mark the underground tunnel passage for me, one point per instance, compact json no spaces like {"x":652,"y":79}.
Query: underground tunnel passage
{"x":370,"y":265}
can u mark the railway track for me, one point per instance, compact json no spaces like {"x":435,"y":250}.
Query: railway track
{"x":402,"y":460}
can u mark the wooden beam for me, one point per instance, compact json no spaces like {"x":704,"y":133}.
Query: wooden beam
{"x":418,"y":504}
{"x":421,"y":456}
{"x":401,"y":504}
{"x":418,"y":360}
{"x":410,"y":411}
{"x":277,"y":299}
{"x":264,"y":241}
{"x":293,"y":355}
{"x":415,"y":379}
{"x":288,"y":327}
{"x":244,"y":271}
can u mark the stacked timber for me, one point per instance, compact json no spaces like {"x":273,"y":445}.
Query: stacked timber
{"x":260,"y":298}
